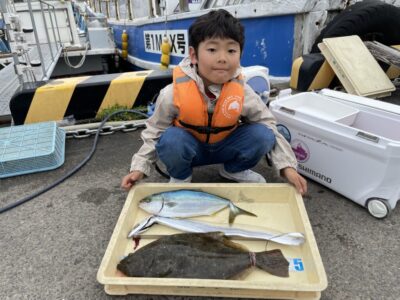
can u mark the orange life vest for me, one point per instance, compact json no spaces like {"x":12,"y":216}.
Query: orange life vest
{"x":193,"y":113}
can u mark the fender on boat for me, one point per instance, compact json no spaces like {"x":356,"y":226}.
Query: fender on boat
{"x":83,"y":97}
{"x":165,"y":53}
{"x":124,"y":50}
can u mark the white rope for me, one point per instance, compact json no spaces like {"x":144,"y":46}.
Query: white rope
{"x":81,"y":62}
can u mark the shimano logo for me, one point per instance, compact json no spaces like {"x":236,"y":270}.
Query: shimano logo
{"x":315,"y":174}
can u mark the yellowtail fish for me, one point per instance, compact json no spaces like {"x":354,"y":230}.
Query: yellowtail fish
{"x":199,"y":255}
{"x":189,"y":203}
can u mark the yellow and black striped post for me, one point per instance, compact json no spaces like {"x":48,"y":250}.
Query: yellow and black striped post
{"x":83,"y":97}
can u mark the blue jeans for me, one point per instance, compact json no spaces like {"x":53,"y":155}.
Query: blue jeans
{"x":180,"y":151}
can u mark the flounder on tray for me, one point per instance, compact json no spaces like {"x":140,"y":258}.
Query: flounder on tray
{"x":199,"y":255}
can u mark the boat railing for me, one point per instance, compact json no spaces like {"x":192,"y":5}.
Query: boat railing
{"x":139,"y":9}
{"x":54,"y":53}
{"x":35,"y":41}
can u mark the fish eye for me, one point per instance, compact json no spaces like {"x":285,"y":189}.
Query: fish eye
{"x":146,"y":200}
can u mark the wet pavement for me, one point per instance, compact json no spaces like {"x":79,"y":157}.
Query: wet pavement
{"x":52,"y":246}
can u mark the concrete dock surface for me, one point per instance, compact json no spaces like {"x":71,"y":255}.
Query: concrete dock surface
{"x":52,"y":246}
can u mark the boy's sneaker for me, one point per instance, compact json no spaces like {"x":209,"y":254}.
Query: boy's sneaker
{"x":247,"y":176}
{"x":176,"y":180}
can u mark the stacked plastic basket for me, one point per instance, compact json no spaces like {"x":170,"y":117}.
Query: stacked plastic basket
{"x":31,"y":148}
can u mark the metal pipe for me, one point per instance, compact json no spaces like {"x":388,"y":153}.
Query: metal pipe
{"x":55,"y":18}
{"x":45,"y":29}
{"x":47,"y":74}
{"x":58,"y":28}
{"x":130,"y":12}
{"x":52,"y":27}
{"x":116,"y":9}
{"x":70,"y":30}
{"x":36,"y":37}
{"x":15,"y":64}
{"x":151,"y":13}
{"x":108,"y":9}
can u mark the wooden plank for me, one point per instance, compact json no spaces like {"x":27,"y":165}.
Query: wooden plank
{"x":355,"y":67}
{"x":389,"y":55}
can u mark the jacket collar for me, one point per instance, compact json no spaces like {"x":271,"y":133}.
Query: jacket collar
{"x":191,"y":71}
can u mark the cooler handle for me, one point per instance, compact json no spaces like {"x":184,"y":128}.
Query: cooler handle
{"x":287,"y":110}
{"x":368,"y":137}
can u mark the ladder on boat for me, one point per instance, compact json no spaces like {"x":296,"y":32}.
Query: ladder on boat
{"x":32,"y":58}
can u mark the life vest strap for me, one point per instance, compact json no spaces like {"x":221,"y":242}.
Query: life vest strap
{"x":206,"y":129}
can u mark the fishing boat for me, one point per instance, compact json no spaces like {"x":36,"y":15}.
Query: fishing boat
{"x":41,"y":40}
{"x":276,"y":31}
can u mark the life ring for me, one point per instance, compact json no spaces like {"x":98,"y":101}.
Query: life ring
{"x":369,"y":19}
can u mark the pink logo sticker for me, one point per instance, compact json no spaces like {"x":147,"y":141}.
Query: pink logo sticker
{"x":301,"y":150}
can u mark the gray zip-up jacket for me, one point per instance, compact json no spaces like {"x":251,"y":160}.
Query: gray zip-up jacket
{"x":254,"y":111}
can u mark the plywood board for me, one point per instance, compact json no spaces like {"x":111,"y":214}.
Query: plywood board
{"x":355,"y":66}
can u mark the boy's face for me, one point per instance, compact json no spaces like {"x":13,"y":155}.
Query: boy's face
{"x":217,"y":60}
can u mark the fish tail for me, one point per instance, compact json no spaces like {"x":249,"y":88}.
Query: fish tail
{"x":234,"y":211}
{"x":272,"y":262}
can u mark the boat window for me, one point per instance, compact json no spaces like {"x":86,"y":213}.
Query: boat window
{"x":207,"y":3}
{"x":103,"y":7}
{"x":140,"y":8}
{"x":182,"y":6}
{"x":155,"y":5}
{"x":123,"y":11}
{"x":194,"y":5}
{"x":219,"y":3}
{"x":112,"y":9}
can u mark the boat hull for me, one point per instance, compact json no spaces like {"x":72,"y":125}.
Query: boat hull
{"x":269,"y":42}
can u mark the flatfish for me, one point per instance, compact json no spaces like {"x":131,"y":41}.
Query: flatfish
{"x":199,"y":255}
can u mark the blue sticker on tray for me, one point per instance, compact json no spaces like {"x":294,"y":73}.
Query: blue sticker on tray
{"x":284,"y":131}
{"x":296,"y":264}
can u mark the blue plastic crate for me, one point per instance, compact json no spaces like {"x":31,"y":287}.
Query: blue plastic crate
{"x":31,"y":148}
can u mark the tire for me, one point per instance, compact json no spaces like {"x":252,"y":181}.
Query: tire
{"x":369,"y":19}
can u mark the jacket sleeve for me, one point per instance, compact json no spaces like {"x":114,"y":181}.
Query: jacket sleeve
{"x":162,"y":118}
{"x":255,"y":111}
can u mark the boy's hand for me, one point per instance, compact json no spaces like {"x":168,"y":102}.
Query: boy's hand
{"x":296,"y":179}
{"x":129,"y":180}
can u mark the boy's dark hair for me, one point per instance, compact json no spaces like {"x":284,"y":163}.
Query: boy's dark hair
{"x":216,"y":24}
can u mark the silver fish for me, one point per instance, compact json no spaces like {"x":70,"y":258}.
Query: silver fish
{"x":189,"y":203}
{"x":291,"y":238}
